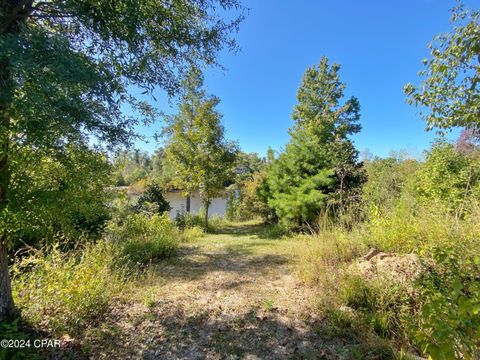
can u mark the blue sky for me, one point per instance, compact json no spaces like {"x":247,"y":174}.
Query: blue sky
{"x":380,"y":45}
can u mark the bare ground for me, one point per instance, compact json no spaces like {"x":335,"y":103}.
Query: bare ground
{"x":231,"y":295}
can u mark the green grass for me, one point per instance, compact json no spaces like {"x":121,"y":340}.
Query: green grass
{"x":247,"y":238}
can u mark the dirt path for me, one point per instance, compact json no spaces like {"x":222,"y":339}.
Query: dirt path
{"x":231,"y":295}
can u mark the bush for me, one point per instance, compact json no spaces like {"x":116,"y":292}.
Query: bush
{"x":192,"y":233}
{"x":186,"y":221}
{"x":216,"y":222}
{"x":64,"y":292}
{"x":448,"y":176}
{"x":441,"y":317}
{"x":413,"y":228}
{"x":144,"y":239}
{"x":152,"y":201}
{"x":449,"y":318}
{"x":383,"y":305}
{"x":63,"y":195}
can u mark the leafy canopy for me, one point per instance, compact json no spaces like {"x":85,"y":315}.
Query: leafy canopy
{"x":450,"y":85}
{"x":69,"y":64}
{"x":196,"y":148}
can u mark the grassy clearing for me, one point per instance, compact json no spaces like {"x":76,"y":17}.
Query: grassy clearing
{"x":238,"y":276}
{"x":228,"y":293}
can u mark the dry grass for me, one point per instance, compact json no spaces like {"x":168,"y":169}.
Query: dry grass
{"x":229,"y":294}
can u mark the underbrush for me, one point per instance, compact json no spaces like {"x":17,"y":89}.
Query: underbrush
{"x":188,"y":221}
{"x":143,"y":239}
{"x":191,"y":234}
{"x":448,"y":321}
{"x":321,"y":254}
{"x":65,"y":292}
{"x":62,"y":291}
{"x":436,"y":315}
{"x":418,"y":229}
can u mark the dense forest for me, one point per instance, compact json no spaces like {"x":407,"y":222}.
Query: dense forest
{"x":382,"y":252}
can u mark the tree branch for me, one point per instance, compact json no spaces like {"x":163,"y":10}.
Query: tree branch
{"x":21,"y":11}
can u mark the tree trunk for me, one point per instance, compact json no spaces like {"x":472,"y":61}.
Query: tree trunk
{"x":207,"y":205}
{"x":6,"y":300}
{"x":6,"y":97}
{"x":188,"y":204}
{"x":12,"y":15}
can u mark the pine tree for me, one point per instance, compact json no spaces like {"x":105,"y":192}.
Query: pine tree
{"x":319,"y":166}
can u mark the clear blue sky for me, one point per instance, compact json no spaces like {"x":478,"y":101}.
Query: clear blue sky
{"x":380,"y":45}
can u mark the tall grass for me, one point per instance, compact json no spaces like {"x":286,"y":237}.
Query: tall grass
{"x":143,"y":239}
{"x":379,"y":311}
{"x":68,"y":291}
{"x":421,"y":228}
{"x":322,"y":254}
{"x":65,"y":292}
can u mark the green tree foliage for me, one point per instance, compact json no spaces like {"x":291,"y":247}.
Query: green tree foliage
{"x":196,"y":148}
{"x":448,"y":176}
{"x":449,"y":316}
{"x":252,"y":200}
{"x":319,"y":165}
{"x":243,"y":202}
{"x":131,"y":166}
{"x":247,"y":164}
{"x":152,"y":200}
{"x":56,"y":193}
{"x":450,"y":86}
{"x":386,"y":181}
{"x":66,"y":67}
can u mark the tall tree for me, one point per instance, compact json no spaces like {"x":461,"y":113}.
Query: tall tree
{"x":196,"y":149}
{"x":319,"y":164}
{"x":66,"y":66}
{"x":450,"y":89}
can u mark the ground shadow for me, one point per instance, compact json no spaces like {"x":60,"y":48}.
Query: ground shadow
{"x":193,"y":263}
{"x":253,"y":334}
{"x":262,"y":231}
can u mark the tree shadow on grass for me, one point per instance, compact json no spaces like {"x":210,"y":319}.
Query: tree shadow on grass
{"x":192,"y":263}
{"x":261,"y":231}
{"x":170,"y":333}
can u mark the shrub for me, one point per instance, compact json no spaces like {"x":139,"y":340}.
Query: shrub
{"x":273,"y":231}
{"x":192,"y":233}
{"x":449,"y":318}
{"x":386,"y":181}
{"x":383,"y":305}
{"x":216,"y":222}
{"x":441,"y":317}
{"x":186,"y":220}
{"x":63,"y":195}
{"x":414,"y":228}
{"x":64,"y":292}
{"x":144,"y":239}
{"x":448,"y":176}
{"x":152,"y":200}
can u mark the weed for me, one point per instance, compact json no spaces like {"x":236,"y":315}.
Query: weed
{"x":150,"y":299}
{"x":268,"y":305}
{"x":64,"y":292}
